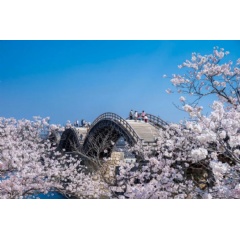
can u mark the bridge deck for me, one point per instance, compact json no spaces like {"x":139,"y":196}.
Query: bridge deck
{"x":145,"y":131}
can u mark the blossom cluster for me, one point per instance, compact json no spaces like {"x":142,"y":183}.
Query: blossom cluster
{"x":209,"y":74}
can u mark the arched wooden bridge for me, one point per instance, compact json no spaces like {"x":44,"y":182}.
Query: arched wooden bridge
{"x":106,"y":130}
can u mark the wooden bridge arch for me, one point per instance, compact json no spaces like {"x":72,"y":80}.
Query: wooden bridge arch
{"x":106,"y":130}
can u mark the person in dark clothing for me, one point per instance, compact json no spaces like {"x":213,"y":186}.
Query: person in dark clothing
{"x":83,"y":122}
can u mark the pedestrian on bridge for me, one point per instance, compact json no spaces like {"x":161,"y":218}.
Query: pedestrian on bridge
{"x":83,"y":123}
{"x":145,"y":119}
{"x":131,"y":115}
{"x":75,"y":123}
{"x":136,"y":116}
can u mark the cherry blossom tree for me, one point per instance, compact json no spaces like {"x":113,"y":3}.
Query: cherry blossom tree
{"x":217,"y":134}
{"x":29,"y":165}
{"x":207,"y":75}
{"x":200,"y":158}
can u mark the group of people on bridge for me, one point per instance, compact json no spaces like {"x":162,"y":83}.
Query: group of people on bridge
{"x":138,"y":116}
{"x":83,"y":124}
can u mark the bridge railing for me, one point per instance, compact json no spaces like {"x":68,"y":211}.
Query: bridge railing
{"x":116,"y":118}
{"x":157,"y":121}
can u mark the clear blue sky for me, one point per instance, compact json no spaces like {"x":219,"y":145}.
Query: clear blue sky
{"x":69,"y":80}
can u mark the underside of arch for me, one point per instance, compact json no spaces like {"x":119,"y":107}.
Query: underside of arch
{"x":69,"y":141}
{"x":102,"y":137}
